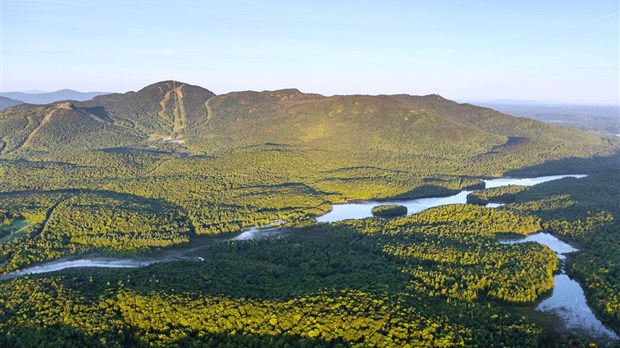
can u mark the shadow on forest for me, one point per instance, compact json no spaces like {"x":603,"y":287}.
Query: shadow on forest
{"x":128,"y":198}
{"x":40,"y":164}
{"x":571,"y":165}
{"x":99,"y":111}
{"x":426,"y":191}
{"x":577,"y":193}
{"x":131,"y":150}
{"x":512,"y":142}
{"x":306,"y":261}
{"x":64,"y":335}
{"x":122,"y":150}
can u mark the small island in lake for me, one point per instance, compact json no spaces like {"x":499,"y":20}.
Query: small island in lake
{"x":502,"y":194}
{"x":389,"y":210}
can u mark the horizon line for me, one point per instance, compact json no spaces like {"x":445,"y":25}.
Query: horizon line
{"x":494,"y":101}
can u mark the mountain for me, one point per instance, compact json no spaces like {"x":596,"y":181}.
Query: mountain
{"x":332,"y":148}
{"x":51,"y":97}
{"x":367,"y":128}
{"x":8,"y":102}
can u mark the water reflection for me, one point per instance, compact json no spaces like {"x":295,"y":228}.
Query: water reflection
{"x":58,"y":265}
{"x":569,"y":302}
{"x":558,"y":246}
{"x":567,"y":299}
{"x":258,"y":233}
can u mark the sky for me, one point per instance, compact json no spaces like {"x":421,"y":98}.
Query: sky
{"x":553,"y":50}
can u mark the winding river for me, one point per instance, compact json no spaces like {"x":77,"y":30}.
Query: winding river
{"x":567,"y":299}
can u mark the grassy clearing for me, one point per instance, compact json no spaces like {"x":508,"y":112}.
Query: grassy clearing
{"x":14,"y":230}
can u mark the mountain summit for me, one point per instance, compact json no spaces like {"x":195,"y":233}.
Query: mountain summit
{"x":163,"y":109}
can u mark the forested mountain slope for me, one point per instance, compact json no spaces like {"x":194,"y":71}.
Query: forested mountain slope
{"x":400,"y":125}
{"x":237,"y":159}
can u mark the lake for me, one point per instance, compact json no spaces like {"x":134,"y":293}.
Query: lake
{"x":361,"y":210}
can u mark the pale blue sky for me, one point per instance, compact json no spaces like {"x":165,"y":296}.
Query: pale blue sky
{"x":565,"y":51}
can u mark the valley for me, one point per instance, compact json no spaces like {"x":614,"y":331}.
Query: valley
{"x":567,"y":297}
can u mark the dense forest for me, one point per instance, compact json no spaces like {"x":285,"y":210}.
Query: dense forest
{"x":502,"y":195}
{"x":350,"y":283}
{"x":174,"y":167}
{"x":389,"y":210}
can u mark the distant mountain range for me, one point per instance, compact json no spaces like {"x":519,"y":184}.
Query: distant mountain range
{"x":597,"y":118}
{"x":51,"y":97}
{"x":7,"y":102}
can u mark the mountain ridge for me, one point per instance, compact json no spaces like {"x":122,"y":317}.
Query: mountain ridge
{"x":51,"y":97}
{"x":203,"y":122}
{"x":8,"y":102}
